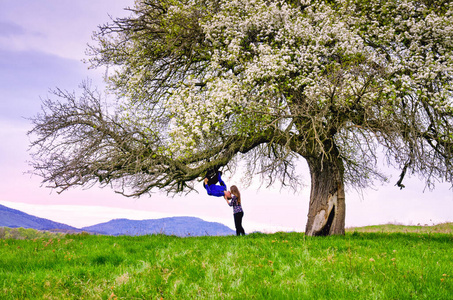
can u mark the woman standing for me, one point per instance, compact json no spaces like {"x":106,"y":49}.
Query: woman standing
{"x":238,"y":213}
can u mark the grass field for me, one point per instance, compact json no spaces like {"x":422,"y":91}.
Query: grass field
{"x":408,"y":264}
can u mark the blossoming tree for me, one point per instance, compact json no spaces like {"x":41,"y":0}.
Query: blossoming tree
{"x":211,"y":83}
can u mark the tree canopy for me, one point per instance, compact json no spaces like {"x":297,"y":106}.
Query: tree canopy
{"x":204,"y":83}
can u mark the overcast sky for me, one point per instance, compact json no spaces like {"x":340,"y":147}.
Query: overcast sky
{"x":42,"y":44}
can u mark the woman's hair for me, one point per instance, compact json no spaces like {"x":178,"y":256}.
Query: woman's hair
{"x":234,"y":190}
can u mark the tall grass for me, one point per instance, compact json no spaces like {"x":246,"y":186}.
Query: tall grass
{"x":258,"y":266}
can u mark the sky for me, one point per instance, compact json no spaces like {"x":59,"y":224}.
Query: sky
{"x":42,"y":45}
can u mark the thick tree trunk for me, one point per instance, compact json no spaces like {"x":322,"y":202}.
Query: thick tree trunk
{"x":326,"y":212}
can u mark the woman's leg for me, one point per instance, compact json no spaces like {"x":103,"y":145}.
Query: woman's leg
{"x":242,"y":231}
{"x":238,"y":223}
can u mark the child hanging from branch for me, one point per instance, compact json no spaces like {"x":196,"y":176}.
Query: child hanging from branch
{"x":213,"y":176}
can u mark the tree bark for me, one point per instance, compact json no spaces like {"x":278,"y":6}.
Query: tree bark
{"x":326,"y":212}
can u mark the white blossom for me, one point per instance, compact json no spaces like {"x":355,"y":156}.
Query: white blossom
{"x":275,"y":46}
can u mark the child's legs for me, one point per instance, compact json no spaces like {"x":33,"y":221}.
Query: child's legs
{"x":219,"y":174}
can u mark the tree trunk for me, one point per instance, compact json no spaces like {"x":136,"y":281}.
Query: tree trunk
{"x":326,"y":212}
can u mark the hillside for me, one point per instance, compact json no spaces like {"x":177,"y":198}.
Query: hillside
{"x":15,"y":218}
{"x":391,"y":228}
{"x":179,"y":226}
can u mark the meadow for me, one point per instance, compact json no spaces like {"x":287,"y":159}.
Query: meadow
{"x":381,"y":264}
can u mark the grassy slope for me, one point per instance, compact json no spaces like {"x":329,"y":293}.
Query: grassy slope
{"x":439,"y":228}
{"x":359,"y":265}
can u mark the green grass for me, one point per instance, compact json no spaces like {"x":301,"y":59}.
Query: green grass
{"x":26,"y":233}
{"x":359,"y":265}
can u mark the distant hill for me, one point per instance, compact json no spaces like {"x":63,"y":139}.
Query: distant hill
{"x":15,"y":218}
{"x":179,"y":226}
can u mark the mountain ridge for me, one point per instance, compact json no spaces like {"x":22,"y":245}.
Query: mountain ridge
{"x":14,"y":218}
{"x":179,"y":226}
